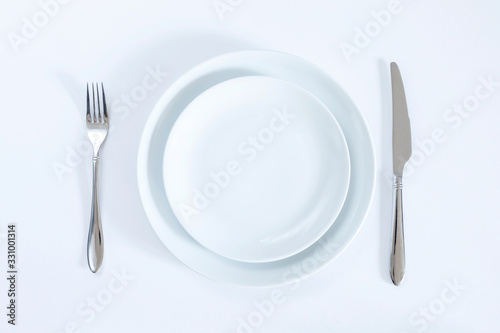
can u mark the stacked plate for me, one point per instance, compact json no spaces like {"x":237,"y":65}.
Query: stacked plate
{"x":256,"y":169}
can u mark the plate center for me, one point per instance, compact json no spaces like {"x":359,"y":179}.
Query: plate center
{"x":256,"y":169}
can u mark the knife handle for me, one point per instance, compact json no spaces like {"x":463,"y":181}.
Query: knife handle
{"x":398,"y":238}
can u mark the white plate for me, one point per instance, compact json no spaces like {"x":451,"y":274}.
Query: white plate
{"x":256,"y":169}
{"x":150,"y":168}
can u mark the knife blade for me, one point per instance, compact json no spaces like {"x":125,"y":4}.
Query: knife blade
{"x":401,"y":132}
{"x":401,"y":153}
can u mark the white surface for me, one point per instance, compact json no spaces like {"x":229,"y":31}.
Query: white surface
{"x":193,"y":83}
{"x":256,"y":169}
{"x":451,"y":193}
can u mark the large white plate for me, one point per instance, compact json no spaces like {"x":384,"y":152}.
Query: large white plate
{"x":150,"y":165}
{"x":256,"y":169}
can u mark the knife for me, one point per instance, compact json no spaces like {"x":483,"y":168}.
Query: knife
{"x":401,"y":153}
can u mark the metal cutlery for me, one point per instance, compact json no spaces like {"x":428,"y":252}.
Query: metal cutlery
{"x":401,"y":153}
{"x":97,"y":130}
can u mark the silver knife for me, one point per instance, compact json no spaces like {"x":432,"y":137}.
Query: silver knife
{"x":401,"y":153}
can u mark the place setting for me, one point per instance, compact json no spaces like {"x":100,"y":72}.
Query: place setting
{"x":252,"y":164}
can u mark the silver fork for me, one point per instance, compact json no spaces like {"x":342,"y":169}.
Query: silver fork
{"x":97,"y":129}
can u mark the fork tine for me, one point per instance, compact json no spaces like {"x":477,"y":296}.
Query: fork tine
{"x":104,"y":106}
{"x":89,"y":117}
{"x":98,"y":110}
{"x":96,"y":118}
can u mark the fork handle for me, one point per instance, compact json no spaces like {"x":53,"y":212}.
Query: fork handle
{"x":398,"y":238}
{"x":95,"y":243}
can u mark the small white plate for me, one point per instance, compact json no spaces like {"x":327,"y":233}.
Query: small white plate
{"x":256,"y":169}
{"x":163,"y":118}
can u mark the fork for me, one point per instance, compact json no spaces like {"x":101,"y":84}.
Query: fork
{"x":97,"y":130}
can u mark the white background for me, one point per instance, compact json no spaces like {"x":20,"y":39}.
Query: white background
{"x":451,"y":196}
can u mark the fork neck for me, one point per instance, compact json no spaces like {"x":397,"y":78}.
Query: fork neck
{"x":95,"y":156}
